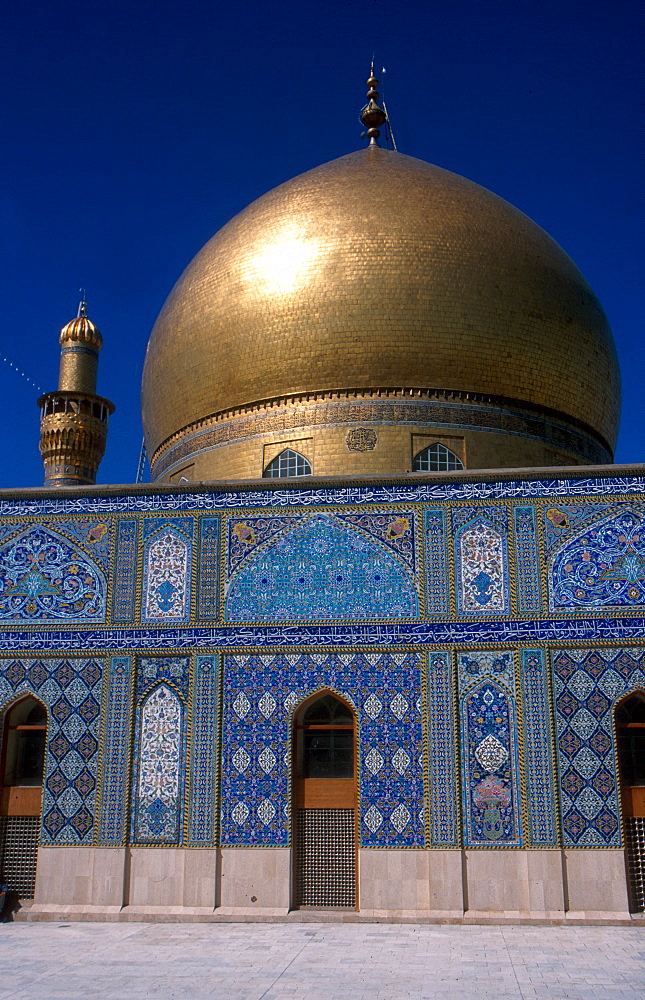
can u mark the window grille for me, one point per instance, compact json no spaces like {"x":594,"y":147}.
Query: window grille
{"x":436,"y":458}
{"x":19,"y":853}
{"x":287,"y":463}
{"x":326,"y":859}
{"x":635,"y":843}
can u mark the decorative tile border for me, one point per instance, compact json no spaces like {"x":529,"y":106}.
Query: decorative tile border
{"x":443,"y":754}
{"x":208,"y":568}
{"x":437,"y":593}
{"x":124,"y":587}
{"x":527,"y":585}
{"x":203,"y":796}
{"x":538,"y":747}
{"x":308,"y":496}
{"x":612,"y":630}
{"x":116,"y":753}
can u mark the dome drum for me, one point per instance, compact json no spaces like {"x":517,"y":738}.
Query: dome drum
{"x":491,"y":433}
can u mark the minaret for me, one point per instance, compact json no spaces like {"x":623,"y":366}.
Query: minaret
{"x":73,"y":421}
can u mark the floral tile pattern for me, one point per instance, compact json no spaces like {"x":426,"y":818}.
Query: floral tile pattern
{"x":490,"y":750}
{"x":481,"y":562}
{"x":203,"y":806}
{"x":601,"y":566}
{"x":323,"y":569}
{"x":124,"y":592}
{"x":116,"y":741}
{"x":586,"y":686}
{"x":70,"y":689}
{"x":167,"y":574}
{"x":45,"y":577}
{"x":443,"y":747}
{"x":260,"y":695}
{"x":160,"y":750}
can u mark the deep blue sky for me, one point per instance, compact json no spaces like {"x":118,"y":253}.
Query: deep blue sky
{"x":134,"y":130}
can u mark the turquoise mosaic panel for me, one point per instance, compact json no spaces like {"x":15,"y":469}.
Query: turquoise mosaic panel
{"x":396,"y":530}
{"x":527,"y":579}
{"x":260,"y":694}
{"x":323,"y":570}
{"x":443,"y":743}
{"x":203,"y":805}
{"x":586,"y":686}
{"x":125,"y":571}
{"x":71,"y":691}
{"x":561,"y":520}
{"x":538,"y":743}
{"x":246,"y":536}
{"x":116,"y":742}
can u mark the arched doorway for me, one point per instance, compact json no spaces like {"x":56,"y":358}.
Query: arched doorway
{"x":22,"y":767}
{"x":324,"y":803}
{"x":630,"y":732}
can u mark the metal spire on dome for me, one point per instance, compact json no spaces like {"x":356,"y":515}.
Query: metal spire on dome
{"x":82,"y":305}
{"x":373,"y":116}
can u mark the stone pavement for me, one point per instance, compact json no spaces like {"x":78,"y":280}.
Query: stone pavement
{"x":57,"y":961}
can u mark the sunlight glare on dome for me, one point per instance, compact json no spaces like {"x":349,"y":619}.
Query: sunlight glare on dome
{"x":282,"y":264}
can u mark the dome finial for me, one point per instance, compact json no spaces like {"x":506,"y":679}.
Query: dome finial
{"x":82,"y":305}
{"x":372,"y":116}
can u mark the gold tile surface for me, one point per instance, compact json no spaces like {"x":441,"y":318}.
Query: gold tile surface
{"x":378,"y":269}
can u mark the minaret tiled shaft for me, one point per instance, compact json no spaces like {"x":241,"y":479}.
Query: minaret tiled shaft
{"x":73,"y":423}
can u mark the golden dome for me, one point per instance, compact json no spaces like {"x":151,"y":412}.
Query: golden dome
{"x":378,"y":269}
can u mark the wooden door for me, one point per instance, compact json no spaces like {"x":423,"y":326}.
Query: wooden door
{"x":324,"y":803}
{"x":630,"y":733}
{"x":21,"y":792}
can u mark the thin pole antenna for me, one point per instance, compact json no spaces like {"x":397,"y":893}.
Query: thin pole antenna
{"x":143,"y":454}
{"x":387,"y":117}
{"x":389,"y":127}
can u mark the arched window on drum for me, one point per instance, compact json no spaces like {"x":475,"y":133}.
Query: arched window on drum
{"x":287,"y":464}
{"x":436,"y":458}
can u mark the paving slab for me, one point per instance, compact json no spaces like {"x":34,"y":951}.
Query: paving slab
{"x":108,"y":961}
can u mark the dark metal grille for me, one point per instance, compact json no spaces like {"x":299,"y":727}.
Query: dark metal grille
{"x":19,"y":853}
{"x":436,"y":458}
{"x":326,"y":859}
{"x":635,"y":843}
{"x":287,"y":463}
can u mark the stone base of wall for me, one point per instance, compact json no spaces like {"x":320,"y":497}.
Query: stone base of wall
{"x":395,"y":886}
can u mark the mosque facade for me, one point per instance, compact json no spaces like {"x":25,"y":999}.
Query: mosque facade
{"x":372,"y":641}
